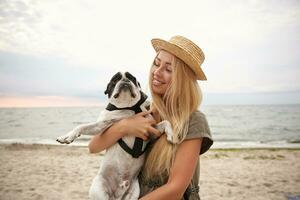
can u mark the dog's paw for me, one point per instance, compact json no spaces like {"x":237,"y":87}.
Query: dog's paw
{"x":63,"y":139}
{"x":172,"y":139}
{"x":68,"y":138}
{"x":169,"y":132}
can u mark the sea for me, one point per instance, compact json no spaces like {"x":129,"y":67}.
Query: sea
{"x":232,"y":126}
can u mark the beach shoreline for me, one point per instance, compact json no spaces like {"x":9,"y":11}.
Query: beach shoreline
{"x":83,"y":141}
{"x":36,"y":171}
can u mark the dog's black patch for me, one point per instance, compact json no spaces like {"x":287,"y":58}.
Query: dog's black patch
{"x":132,"y":78}
{"x":112,"y":83}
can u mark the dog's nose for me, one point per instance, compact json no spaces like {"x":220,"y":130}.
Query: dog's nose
{"x":125,"y":85}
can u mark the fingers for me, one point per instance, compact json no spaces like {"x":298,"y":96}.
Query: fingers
{"x":144,"y":113}
{"x":145,"y":136}
{"x":154,"y":131}
{"x":152,"y":121}
{"x":149,"y":118}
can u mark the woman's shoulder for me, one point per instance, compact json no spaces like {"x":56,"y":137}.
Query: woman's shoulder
{"x":197,"y":116}
{"x":199,"y":128}
{"x":198,"y":123}
{"x":198,"y":112}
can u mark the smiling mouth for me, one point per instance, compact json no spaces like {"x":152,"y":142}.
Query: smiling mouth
{"x":124,"y":88}
{"x":157,"y":82}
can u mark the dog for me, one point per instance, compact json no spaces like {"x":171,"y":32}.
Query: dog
{"x":117,"y":178}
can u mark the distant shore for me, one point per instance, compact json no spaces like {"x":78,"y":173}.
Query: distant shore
{"x":65,"y":172}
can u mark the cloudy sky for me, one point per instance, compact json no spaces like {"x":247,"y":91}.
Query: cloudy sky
{"x":63,"y":52}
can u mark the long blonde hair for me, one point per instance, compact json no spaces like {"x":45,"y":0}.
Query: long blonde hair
{"x":182,"y":97}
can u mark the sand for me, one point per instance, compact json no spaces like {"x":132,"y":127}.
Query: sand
{"x":66,"y":172}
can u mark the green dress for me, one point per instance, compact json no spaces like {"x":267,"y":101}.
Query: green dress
{"x":198,"y":128}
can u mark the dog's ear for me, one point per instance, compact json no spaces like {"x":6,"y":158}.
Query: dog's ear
{"x":111,"y":85}
{"x":106,"y":91}
{"x":116,"y":77}
{"x":110,"y":88}
{"x":133,"y":79}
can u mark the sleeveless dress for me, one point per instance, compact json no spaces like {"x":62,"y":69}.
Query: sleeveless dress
{"x":198,"y":128}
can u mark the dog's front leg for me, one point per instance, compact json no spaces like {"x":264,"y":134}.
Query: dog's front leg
{"x":105,"y":120}
{"x":166,"y":127}
{"x":85,"y":129}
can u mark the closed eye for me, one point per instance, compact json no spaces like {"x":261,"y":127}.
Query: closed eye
{"x":168,"y":70}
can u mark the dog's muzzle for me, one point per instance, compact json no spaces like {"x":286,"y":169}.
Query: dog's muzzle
{"x":125,"y":87}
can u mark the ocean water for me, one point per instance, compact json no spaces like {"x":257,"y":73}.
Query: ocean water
{"x":232,"y":126}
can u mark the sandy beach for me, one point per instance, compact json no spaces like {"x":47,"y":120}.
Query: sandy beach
{"x":66,"y":172}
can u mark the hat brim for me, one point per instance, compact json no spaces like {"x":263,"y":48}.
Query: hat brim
{"x":159,"y":44}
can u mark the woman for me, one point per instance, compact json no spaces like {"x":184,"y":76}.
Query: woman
{"x":170,"y":171}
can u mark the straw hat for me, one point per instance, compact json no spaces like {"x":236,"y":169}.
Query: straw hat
{"x":184,"y":49}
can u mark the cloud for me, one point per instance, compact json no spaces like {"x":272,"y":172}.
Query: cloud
{"x":93,"y":32}
{"x":63,"y":47}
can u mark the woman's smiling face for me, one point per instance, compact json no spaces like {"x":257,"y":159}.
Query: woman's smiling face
{"x":161,"y":72}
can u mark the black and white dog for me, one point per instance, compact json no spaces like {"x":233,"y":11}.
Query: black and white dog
{"x":121,"y":164}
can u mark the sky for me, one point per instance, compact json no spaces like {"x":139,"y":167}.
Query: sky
{"x":64,"y":52}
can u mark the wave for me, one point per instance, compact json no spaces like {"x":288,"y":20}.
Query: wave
{"x":83,"y":141}
{"x":293,"y":141}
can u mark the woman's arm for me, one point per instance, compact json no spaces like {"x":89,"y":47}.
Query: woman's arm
{"x":102,"y":141}
{"x":137,"y":125}
{"x":181,"y":172}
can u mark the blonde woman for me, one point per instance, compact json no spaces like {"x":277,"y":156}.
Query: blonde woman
{"x":170,"y":171}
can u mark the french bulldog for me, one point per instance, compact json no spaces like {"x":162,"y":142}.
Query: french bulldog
{"x":117,"y":178}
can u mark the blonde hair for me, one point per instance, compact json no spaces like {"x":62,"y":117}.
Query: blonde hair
{"x":182,"y":97}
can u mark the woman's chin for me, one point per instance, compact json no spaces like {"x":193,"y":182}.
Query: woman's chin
{"x":158,"y":91}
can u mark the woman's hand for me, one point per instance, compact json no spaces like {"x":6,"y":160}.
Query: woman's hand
{"x":140,"y":125}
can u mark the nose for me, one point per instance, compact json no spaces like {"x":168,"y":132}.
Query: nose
{"x":157,"y":71}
